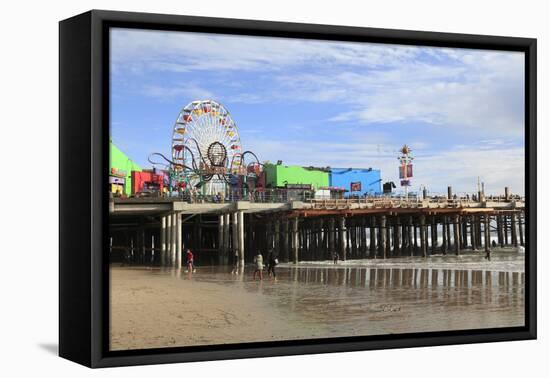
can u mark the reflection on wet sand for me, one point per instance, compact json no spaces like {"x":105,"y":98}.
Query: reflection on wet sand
{"x":153,"y":307}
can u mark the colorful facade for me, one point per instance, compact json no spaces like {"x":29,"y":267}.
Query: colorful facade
{"x":120,"y":171}
{"x":357,"y":181}
{"x":278,"y":176}
{"x":147,"y":181}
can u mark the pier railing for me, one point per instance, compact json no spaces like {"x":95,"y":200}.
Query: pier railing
{"x":402,"y":202}
{"x":370,"y":201}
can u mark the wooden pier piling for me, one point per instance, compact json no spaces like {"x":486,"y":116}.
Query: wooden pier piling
{"x":456,"y":234}
{"x":434,"y":235}
{"x":342,"y":237}
{"x":372,"y":235}
{"x":397,"y":234}
{"x":423,"y":247}
{"x":487,"y":237}
{"x":295,"y":239}
{"x":500,"y":231}
{"x":383,"y":236}
{"x":513,"y":230}
{"x":520,"y":227}
{"x":444,"y":234}
{"x":163,"y":241}
{"x":179,"y":242}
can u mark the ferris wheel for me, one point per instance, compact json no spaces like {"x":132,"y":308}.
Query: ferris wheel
{"x":206,"y":146}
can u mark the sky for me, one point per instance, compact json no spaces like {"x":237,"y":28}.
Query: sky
{"x":326,"y":103}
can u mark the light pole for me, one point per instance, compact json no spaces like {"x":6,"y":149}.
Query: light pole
{"x":405,"y":168}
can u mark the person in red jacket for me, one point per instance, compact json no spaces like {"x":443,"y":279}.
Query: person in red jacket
{"x":189,"y":258}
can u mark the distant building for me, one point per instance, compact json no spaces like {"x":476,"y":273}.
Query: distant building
{"x":356,"y":181}
{"x":147,"y":182}
{"x":120,"y":171}
{"x":281,"y":176}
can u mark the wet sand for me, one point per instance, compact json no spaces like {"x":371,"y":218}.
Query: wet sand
{"x":153,"y":308}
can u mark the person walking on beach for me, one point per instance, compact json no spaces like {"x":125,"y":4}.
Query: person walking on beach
{"x":271,"y":264}
{"x":335,"y":257}
{"x":259,"y":261}
{"x":189,"y":258}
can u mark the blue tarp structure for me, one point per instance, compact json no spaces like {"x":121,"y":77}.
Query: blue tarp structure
{"x":370,"y":179}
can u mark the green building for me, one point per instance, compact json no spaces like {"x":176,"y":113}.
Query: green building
{"x":121,"y":166}
{"x":280,"y":175}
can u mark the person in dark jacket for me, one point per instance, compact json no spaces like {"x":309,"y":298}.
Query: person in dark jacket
{"x":271,"y":264}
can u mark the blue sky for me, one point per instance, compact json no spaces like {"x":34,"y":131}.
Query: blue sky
{"x":330,"y":103}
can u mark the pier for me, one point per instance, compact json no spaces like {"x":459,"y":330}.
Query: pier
{"x":156,"y":231}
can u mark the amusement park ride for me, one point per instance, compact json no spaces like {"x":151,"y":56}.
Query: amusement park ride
{"x":206,"y":151}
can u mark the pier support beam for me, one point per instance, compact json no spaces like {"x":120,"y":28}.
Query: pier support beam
{"x":464,"y":232}
{"x":397,"y":237}
{"x":284,"y":249}
{"x":383,"y":235}
{"x":456,"y":232}
{"x":331,"y":237}
{"x":434,"y":235}
{"x":363,"y":236}
{"x":276,"y":236}
{"x":500,"y":232}
{"x":240,"y":216}
{"x":520,"y":227}
{"x":174,"y":239}
{"x":473,"y":232}
{"x":352,"y":237}
{"x":171,"y":240}
{"x":514,"y":230}
{"x":372,"y":237}
{"x":410,"y":235}
{"x":221,"y":242}
{"x":141,"y":239}
{"x":321,"y":253}
{"x":423,"y":246}
{"x":388,"y":237}
{"x":163,"y":241}
{"x":448,"y":231}
{"x":295,"y":240}
{"x":487,"y":238}
{"x":342,"y":237}
{"x":505,"y":229}
{"x":235,"y":237}
{"x":226,"y":237}
{"x":479,"y":233}
{"x":444,"y":235}
{"x":415,"y":233}
{"x":179,"y":242}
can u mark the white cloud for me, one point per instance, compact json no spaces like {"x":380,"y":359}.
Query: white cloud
{"x":486,"y":95}
{"x":184,"y":90}
{"x":183,"y":52}
{"x":459,"y":88}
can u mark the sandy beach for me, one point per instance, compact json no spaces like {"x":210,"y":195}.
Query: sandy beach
{"x":152,"y":308}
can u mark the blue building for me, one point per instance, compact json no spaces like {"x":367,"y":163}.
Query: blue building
{"x":366,"y":181}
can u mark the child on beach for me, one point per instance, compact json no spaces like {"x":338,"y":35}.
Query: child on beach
{"x":189,"y":258}
{"x":259,"y":261}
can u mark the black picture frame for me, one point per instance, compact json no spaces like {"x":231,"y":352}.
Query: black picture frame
{"x":83,"y":140}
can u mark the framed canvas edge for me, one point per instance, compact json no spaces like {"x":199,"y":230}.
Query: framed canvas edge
{"x":99,"y":124}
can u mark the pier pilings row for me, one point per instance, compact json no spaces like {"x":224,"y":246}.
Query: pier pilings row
{"x":233,"y":238}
